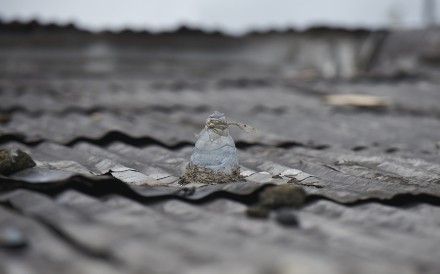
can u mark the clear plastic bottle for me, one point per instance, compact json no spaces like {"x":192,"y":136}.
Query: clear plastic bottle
{"x":215,"y":148}
{"x":214,"y":158}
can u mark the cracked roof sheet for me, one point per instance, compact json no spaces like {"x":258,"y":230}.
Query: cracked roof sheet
{"x":105,"y":194}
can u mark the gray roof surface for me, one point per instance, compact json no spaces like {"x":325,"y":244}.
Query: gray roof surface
{"x":105,"y":195}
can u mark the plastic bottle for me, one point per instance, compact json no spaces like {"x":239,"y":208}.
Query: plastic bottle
{"x":215,"y":148}
{"x":214,"y":158}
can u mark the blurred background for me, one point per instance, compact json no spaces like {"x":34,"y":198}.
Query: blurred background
{"x":169,"y":57}
{"x":297,"y":39}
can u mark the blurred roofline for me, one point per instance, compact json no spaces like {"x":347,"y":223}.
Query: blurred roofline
{"x":32,"y":25}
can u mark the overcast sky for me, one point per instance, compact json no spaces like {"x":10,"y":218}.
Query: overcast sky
{"x":233,"y":16}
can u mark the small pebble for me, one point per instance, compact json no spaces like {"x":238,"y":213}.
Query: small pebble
{"x":286,"y":217}
{"x":4,"y":118}
{"x":282,"y":196}
{"x":14,"y":160}
{"x":258,"y":212}
{"x":12,"y":238}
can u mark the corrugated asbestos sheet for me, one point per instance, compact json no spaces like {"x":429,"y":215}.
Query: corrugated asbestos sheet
{"x":105,"y":195}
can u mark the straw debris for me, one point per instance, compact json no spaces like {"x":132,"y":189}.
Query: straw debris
{"x":203,"y":175}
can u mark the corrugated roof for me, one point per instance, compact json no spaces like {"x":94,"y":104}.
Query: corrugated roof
{"x":105,"y":195}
